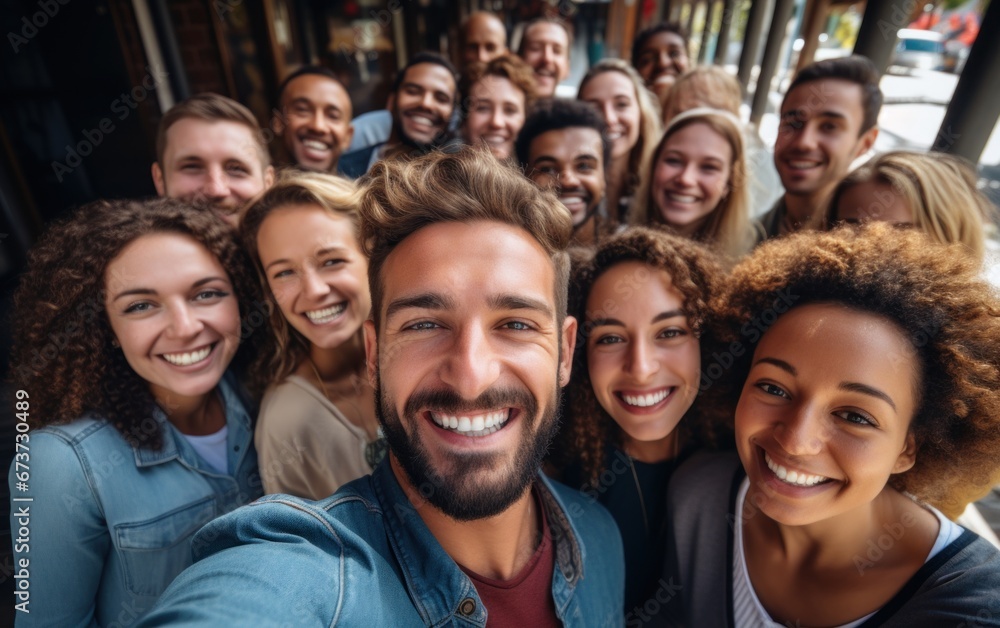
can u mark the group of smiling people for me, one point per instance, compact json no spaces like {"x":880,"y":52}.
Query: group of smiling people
{"x":782,"y":434}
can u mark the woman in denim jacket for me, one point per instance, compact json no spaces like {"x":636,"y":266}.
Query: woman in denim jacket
{"x":125,"y":324}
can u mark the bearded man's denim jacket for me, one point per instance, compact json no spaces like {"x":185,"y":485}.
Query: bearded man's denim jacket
{"x":364,"y":557}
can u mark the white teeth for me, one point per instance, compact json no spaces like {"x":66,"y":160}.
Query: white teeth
{"x":613,"y":136}
{"x":681,"y":198}
{"x":422,"y":120}
{"x":478,"y":425}
{"x":187,"y":359}
{"x":315,"y":145}
{"x":802,"y":165}
{"x":326,"y":314}
{"x":650,"y":399}
{"x":665,"y":79}
{"x":792,"y":477}
{"x":494,"y":139}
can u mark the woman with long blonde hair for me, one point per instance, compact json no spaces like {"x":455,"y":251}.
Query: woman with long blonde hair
{"x":698,"y":182}
{"x":632,"y":114}
{"x":934,"y":192}
{"x":317,"y":428}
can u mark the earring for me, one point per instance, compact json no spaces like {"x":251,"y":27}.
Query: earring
{"x":114,"y":343}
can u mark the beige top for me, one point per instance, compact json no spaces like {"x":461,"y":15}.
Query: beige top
{"x":305,"y":445}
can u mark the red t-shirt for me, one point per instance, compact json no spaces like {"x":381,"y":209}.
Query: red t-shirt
{"x":526,"y":599}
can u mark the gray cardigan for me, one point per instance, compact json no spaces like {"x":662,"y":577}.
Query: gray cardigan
{"x":959,"y":587}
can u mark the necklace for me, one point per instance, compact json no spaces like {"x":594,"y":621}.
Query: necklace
{"x":638,"y":487}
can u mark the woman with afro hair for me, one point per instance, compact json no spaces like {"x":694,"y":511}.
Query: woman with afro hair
{"x":125,"y":325}
{"x":641,"y":302}
{"x":863,"y":371}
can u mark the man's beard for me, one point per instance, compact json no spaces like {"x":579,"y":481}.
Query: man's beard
{"x":409,"y":142}
{"x":459,"y":490}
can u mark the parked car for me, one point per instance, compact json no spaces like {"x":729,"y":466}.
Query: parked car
{"x":919,"y":50}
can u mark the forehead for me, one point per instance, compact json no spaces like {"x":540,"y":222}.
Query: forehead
{"x":610,"y":83}
{"x":141,"y":262}
{"x":831,"y":342}
{"x":470,"y":262}
{"x":662,"y":40}
{"x":825,"y":96}
{"x":215,"y":140}
{"x":699,"y":138}
{"x":430,"y":76}
{"x":565,"y":145}
{"x":296,"y":230}
{"x":874,"y":200}
{"x":633,"y":287}
{"x":494,"y":87}
{"x":484,"y":27}
{"x":546,"y":32}
{"x":317,"y":88}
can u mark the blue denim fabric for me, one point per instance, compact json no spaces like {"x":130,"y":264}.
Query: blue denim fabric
{"x":364,"y":557}
{"x":111,"y":525}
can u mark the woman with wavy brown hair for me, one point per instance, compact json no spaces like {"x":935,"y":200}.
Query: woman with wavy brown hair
{"x":317,"y":427}
{"x":126,"y":323}
{"x":861,"y":370}
{"x":641,"y":301}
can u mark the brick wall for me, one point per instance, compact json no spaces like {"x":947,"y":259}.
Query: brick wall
{"x":199,"y":49}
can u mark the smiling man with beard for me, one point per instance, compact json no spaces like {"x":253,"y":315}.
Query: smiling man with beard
{"x":468,"y":347}
{"x":422,"y":102}
{"x":563,"y":146}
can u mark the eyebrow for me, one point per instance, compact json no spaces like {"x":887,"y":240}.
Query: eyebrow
{"x":781,"y":364}
{"x":427,"y":301}
{"x":150,"y":291}
{"x":319,"y":253}
{"x":800,"y":113}
{"x":847,"y":386}
{"x":865,"y":389}
{"x":662,"y":316}
{"x":515,"y":302}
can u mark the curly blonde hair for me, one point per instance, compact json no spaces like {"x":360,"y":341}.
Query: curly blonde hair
{"x":62,"y":336}
{"x":587,"y":428}
{"x":933,"y":293}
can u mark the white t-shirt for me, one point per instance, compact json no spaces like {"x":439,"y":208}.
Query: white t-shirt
{"x":747,"y":609}
{"x":212,"y":448}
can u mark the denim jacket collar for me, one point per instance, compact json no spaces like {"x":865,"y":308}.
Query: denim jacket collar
{"x":234,"y":409}
{"x":440,"y":590}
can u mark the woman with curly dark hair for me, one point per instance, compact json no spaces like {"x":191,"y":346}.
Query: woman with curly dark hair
{"x":641,"y":302}
{"x":125,"y":325}
{"x":317,"y":428}
{"x":863,"y":370}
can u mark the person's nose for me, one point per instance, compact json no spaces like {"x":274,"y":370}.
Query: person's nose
{"x":313,"y":285}
{"x":802,"y":432}
{"x":642,"y":361}
{"x":183,"y":322}
{"x":471,"y":365}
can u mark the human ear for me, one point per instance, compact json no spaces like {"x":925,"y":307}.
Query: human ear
{"x":866,"y":141}
{"x":161,"y":189}
{"x":371,"y":351}
{"x":908,"y":457}
{"x":568,"y":345}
